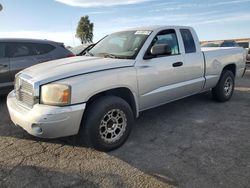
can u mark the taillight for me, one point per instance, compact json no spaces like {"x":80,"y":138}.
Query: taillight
{"x":71,"y":55}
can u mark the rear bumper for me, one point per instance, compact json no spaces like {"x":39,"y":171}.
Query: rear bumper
{"x":46,"y":121}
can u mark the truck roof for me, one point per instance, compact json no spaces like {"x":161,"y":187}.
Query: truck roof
{"x":157,"y":27}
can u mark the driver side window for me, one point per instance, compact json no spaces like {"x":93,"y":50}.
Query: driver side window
{"x":167,"y":37}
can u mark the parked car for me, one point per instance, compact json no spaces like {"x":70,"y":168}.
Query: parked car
{"x":97,"y":96}
{"x":228,"y":43}
{"x":246,"y":45}
{"x":81,"y":49}
{"x":18,"y":54}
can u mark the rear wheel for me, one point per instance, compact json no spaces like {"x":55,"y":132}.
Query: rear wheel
{"x":224,"y":89}
{"x":107,"y":123}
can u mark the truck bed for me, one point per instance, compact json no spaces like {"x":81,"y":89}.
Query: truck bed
{"x":217,"y":57}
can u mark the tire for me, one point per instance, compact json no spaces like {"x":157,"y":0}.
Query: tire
{"x":224,"y":89}
{"x":106,"y":117}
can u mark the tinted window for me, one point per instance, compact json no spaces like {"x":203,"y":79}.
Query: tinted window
{"x":22,"y":49}
{"x":2,"y":50}
{"x":167,"y":37}
{"x":19,"y":50}
{"x":188,"y":41}
{"x":226,"y":44}
{"x":236,"y":45}
{"x":42,"y":48}
{"x":229,"y":44}
{"x":243,"y":44}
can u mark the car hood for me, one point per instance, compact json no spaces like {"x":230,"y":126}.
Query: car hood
{"x":67,"y":67}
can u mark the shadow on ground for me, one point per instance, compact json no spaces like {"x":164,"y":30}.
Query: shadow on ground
{"x":194,"y":142}
{"x":28,"y":176}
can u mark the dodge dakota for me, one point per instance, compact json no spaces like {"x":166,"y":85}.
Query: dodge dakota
{"x":97,"y":96}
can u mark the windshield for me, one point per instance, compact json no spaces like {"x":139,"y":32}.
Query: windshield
{"x":78,"y":49}
{"x":210,"y":45}
{"x":122,"y":45}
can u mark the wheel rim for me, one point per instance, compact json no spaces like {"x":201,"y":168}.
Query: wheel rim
{"x":113,"y":125}
{"x":228,"y":86}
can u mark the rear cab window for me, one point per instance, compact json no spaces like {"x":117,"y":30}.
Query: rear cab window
{"x":188,"y":41}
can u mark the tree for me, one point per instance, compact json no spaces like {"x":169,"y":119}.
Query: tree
{"x":84,"y":30}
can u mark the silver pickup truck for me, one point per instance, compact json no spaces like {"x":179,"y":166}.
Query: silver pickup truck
{"x":97,"y":96}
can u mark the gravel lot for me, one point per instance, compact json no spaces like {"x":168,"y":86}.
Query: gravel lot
{"x":194,"y":142}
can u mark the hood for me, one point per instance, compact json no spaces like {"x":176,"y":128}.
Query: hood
{"x":62,"y":68}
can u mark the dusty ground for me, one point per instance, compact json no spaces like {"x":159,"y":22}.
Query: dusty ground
{"x":194,"y":142}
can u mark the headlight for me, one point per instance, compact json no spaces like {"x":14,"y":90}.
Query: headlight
{"x":55,"y":94}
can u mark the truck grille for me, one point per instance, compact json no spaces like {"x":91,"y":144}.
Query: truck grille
{"x":24,"y":92}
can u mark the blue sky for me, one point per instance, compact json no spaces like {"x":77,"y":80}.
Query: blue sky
{"x":57,"y":19}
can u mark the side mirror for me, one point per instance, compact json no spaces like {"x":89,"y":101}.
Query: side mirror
{"x":161,"y":49}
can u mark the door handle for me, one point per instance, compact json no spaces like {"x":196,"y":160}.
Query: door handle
{"x":177,"y":64}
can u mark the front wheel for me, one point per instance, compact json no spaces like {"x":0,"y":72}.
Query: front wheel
{"x":107,"y":123}
{"x":224,"y":89}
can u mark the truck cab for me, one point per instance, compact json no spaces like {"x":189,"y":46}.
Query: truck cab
{"x":166,"y":77}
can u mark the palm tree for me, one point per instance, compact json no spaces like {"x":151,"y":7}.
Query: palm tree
{"x":84,"y":30}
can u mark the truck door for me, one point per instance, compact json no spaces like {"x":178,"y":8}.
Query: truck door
{"x":165,"y":78}
{"x":5,"y":80}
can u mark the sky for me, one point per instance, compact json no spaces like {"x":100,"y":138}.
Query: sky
{"x":57,"y":19}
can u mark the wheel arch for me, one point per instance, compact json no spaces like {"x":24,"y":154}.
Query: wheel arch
{"x":231,"y":67}
{"x":122,"y":92}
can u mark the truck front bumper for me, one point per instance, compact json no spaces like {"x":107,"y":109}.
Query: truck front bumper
{"x":46,"y":121}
